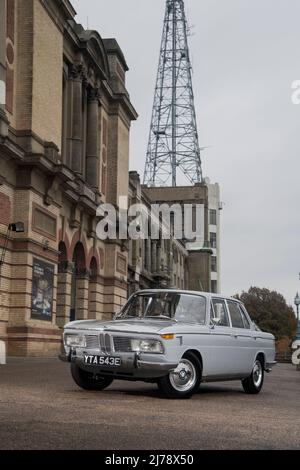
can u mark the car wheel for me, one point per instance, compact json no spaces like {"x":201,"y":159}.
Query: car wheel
{"x":185,"y":380}
{"x":88,"y":380}
{"x":253,"y":384}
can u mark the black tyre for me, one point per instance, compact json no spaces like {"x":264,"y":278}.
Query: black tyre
{"x":88,"y":380}
{"x":185,"y":380}
{"x":253,"y":384}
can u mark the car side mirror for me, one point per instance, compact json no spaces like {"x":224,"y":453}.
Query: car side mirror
{"x":255,"y":327}
{"x":215,"y":321}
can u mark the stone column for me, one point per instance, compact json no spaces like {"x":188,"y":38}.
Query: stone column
{"x":82,"y":294}
{"x":76,"y":150}
{"x":64,"y":283}
{"x":93,"y":298}
{"x":92,"y":145}
{"x":171,"y":262}
{"x":159,"y":251}
{"x":148,"y":254}
{"x":3,"y":118}
{"x":154,"y":256}
{"x":2,"y":54}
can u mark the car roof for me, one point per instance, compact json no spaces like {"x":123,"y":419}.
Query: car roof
{"x":182,"y":291}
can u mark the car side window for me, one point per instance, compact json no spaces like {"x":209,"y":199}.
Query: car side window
{"x":235,"y":314}
{"x":245,"y":318}
{"x":220,"y":312}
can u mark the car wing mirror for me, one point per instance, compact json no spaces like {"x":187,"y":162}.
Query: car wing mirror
{"x":255,"y":327}
{"x":215,"y":321}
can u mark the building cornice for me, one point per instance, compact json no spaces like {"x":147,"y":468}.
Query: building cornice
{"x":112,"y":48}
{"x":60,"y":11}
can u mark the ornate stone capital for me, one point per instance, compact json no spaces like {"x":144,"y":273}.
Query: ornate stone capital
{"x":66,"y":267}
{"x":93,"y":94}
{"x":83,"y":273}
{"x":78,"y":72}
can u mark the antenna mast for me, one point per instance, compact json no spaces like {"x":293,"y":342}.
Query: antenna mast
{"x":173,"y":154}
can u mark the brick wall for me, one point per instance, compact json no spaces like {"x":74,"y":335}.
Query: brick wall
{"x":24,"y":64}
{"x":47,"y":77}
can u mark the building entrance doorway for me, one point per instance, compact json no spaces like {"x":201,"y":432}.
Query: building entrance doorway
{"x":78,"y":271}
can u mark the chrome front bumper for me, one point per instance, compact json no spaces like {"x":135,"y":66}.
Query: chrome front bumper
{"x":133,"y":367}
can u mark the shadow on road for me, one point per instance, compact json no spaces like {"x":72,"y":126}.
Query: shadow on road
{"x":157,"y":394}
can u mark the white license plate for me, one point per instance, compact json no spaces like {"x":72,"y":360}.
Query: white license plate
{"x":102,"y":360}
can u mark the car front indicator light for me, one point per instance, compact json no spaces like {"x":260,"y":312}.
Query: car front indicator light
{"x":168,"y":336}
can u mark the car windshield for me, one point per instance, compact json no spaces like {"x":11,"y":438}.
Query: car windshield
{"x":174,"y":306}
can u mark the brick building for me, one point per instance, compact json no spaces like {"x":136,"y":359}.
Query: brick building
{"x":64,"y":149}
{"x":65,"y":118}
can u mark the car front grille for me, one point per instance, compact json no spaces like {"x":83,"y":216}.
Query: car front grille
{"x":103,"y":341}
{"x":108,"y":344}
{"x":122,"y":344}
{"x":92,"y":341}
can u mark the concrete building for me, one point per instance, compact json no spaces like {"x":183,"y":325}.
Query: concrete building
{"x":199,"y":255}
{"x":214,"y":206}
{"x":64,"y":149}
{"x":199,"y":262}
{"x":154,"y":263}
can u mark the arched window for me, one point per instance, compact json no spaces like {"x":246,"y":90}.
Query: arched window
{"x":93,"y":290}
{"x":79,"y":267}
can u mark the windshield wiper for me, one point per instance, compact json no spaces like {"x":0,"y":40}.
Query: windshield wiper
{"x":162,"y":316}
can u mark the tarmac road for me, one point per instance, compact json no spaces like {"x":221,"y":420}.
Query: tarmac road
{"x":41,"y":408}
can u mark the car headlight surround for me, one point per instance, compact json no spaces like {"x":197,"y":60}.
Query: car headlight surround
{"x":72,"y":340}
{"x":147,"y":345}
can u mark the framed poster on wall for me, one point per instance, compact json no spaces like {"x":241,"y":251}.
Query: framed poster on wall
{"x":42,"y":290}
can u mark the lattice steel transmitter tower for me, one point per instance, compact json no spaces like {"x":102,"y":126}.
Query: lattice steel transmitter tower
{"x":173,"y":146}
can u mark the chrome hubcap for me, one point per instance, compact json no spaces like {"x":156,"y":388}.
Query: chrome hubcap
{"x":183,"y":378}
{"x":257,"y":373}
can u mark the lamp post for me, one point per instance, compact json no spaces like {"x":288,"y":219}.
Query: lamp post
{"x":17,"y":227}
{"x":297,"y":303}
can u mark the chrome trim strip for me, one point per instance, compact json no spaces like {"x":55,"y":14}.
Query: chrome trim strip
{"x":156,"y":365}
{"x":102,"y":343}
{"x":132,"y":332}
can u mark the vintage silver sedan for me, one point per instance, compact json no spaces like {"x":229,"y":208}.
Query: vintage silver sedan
{"x":177,"y":339}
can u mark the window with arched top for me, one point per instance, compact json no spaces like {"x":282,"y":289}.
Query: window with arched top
{"x":62,"y":249}
{"x":79,"y":257}
{"x":93,"y":267}
{"x":93,"y":290}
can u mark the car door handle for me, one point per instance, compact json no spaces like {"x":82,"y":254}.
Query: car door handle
{"x":234,"y":335}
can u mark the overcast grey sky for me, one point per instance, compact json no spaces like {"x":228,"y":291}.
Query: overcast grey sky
{"x":245,"y":54}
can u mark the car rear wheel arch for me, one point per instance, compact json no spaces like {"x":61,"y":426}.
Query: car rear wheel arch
{"x":261,"y":357}
{"x":254,"y":382}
